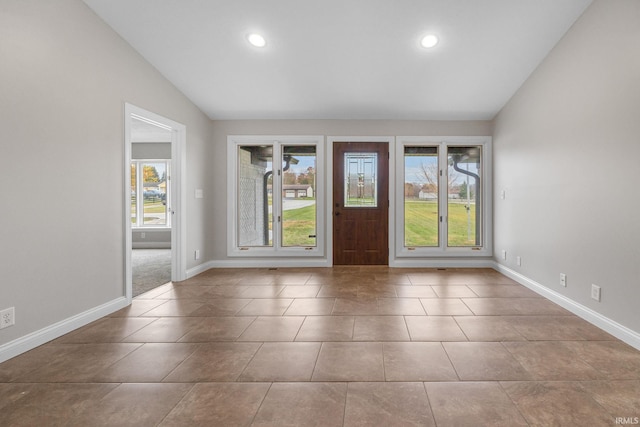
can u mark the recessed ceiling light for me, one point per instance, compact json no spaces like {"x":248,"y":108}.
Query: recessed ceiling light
{"x":429,"y":41}
{"x":256,"y":40}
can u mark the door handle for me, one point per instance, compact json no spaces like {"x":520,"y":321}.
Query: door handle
{"x":337,"y":213}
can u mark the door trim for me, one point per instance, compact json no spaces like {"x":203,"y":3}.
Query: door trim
{"x":329,"y":213}
{"x":178,"y":193}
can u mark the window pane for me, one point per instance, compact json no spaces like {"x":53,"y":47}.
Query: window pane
{"x":464,"y":186}
{"x":360,"y":185}
{"x":154,"y":182}
{"x":421,"y":196}
{"x":134,"y":193}
{"x":299,"y":196}
{"x":255,"y":183}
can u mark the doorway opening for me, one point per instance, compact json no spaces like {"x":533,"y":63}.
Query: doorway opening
{"x":153,"y":204}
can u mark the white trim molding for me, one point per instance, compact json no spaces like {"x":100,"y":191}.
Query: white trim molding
{"x":614,"y":328}
{"x":260,"y":263}
{"x":442,"y":263}
{"x":44,"y":335}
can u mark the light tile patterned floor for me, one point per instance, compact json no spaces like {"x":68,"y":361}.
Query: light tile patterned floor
{"x":352,"y":346}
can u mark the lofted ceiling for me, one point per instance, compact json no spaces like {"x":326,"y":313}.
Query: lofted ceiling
{"x":344,"y":59}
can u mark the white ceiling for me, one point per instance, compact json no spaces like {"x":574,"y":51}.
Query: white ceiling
{"x":344,"y":59}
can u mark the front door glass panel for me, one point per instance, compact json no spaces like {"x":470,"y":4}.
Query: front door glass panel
{"x":360,"y":180}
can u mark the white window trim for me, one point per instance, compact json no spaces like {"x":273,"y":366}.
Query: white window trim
{"x":233,"y":250}
{"x":486,"y":250}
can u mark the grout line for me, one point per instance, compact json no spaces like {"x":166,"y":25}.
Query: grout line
{"x":461,"y":329}
{"x":450,"y":361}
{"x":315,"y":363}
{"x":261,"y":403}
{"x":186,"y":393}
{"x":433,"y":417}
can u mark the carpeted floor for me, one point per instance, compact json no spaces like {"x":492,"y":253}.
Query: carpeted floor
{"x":151,"y":268}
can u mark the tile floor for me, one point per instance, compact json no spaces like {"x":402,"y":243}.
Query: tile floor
{"x":352,"y":346}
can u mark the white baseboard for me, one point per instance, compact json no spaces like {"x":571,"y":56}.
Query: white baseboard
{"x":44,"y":335}
{"x":323,"y":263}
{"x":441,"y":263}
{"x":258,"y":263}
{"x":199,"y":269}
{"x":617,"y":330}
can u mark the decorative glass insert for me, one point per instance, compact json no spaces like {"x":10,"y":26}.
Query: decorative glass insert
{"x":360,"y":180}
{"x":421,"y":207}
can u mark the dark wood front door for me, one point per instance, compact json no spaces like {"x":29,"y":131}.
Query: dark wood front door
{"x":360,"y":203}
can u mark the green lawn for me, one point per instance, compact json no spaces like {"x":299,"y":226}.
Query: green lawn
{"x":421,"y":225}
{"x":150,"y":207}
{"x":298,"y":224}
{"x":462,"y":225}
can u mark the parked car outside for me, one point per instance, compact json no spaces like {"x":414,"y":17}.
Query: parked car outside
{"x":153,"y":194}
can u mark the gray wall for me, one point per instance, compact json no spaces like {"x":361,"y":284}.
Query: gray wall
{"x":217,"y":232}
{"x":151,"y":239}
{"x":567,"y":153}
{"x":64,"y":79}
{"x":150,"y":150}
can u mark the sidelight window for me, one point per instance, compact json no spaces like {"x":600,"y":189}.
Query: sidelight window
{"x":255,"y":201}
{"x":298,"y":196}
{"x":421,"y":204}
{"x":464,"y":202}
{"x":275,"y":193}
{"x":445,"y":208}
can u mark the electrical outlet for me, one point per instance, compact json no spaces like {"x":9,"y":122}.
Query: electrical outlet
{"x":595,"y":292}
{"x":196,"y":254}
{"x":504,"y":254}
{"x":518,"y":261}
{"x":563,"y":280}
{"x":7,"y":317}
{"x":143,"y":235}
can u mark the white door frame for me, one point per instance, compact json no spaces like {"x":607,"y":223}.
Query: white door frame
{"x":177,"y":187}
